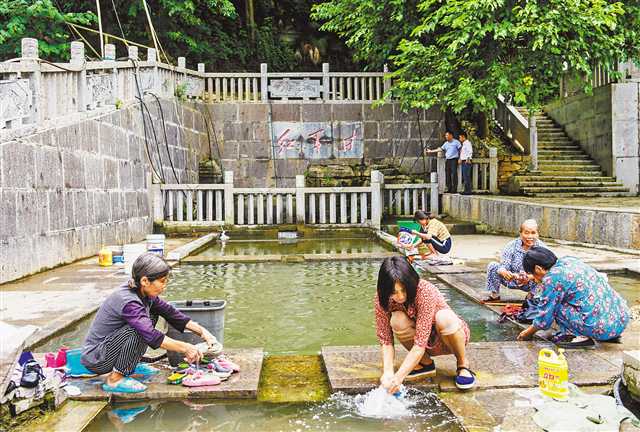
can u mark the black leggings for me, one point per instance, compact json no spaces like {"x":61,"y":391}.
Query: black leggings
{"x":441,"y":246}
{"x":123,"y":350}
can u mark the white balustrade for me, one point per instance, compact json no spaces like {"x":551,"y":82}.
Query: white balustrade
{"x":193,"y":203}
{"x":405,"y":199}
{"x":206,"y":204}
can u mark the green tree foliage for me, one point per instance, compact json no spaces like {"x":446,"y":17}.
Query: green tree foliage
{"x":371,"y":28}
{"x":39,"y":19}
{"x":226,"y":35}
{"x":464,"y":53}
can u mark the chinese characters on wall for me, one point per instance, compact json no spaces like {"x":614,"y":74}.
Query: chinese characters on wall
{"x":294,"y":140}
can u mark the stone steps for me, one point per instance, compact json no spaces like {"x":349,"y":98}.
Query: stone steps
{"x":562,"y":178}
{"x":554,"y":194}
{"x":553,"y":147}
{"x":564,"y":157}
{"x":560,"y":152}
{"x":564,"y":169}
{"x":572,"y":189}
{"x":567,"y":183}
{"x":569,"y":173}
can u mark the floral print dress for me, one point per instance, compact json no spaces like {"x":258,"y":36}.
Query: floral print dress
{"x":581,"y":301}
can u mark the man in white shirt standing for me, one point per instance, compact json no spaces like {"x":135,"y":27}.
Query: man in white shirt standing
{"x":466,"y":153}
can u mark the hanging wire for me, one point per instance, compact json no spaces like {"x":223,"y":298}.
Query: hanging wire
{"x":115,"y":10}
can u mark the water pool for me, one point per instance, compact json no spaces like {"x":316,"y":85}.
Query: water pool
{"x":290,"y":247}
{"x":628,"y":287}
{"x":338,"y":413}
{"x":298,"y":307}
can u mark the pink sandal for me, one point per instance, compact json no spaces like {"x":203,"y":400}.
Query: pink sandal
{"x":227,"y":364}
{"x":201,"y":379}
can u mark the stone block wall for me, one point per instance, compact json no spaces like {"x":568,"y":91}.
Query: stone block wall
{"x":509,"y":165}
{"x":389,"y":136}
{"x":606,"y":124}
{"x":606,"y":227}
{"x":67,"y":191}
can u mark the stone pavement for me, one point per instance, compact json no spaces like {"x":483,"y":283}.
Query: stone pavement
{"x":497,"y":365}
{"x":55,"y":299}
{"x":242,"y":385}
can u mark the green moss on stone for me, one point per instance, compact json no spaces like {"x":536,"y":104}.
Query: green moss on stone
{"x":294,"y":378}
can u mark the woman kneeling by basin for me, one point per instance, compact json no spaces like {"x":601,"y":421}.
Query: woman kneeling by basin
{"x":125,"y":326}
{"x":415,"y":312}
{"x":577,"y":297}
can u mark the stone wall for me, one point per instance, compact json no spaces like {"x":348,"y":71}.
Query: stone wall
{"x":617,"y":228}
{"x":67,"y":191}
{"x":606,"y":125}
{"x":508,"y":165}
{"x":248,"y":146}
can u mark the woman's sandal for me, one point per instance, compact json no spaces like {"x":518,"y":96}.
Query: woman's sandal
{"x":201,"y":379}
{"x":490,"y":299}
{"x":465,"y":382}
{"x":176,"y":378}
{"x":125,"y":385}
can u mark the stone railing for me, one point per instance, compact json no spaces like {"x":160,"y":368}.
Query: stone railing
{"x":224,"y":204}
{"x":484,"y":173}
{"x":33,"y":90}
{"x":572,"y":84}
{"x":280,"y":86}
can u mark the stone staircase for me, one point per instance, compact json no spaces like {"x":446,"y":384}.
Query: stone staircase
{"x":564,"y":169}
{"x":209,"y":172}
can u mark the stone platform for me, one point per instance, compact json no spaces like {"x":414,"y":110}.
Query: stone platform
{"x":242,"y":385}
{"x":585,"y":221}
{"x":498,"y":365}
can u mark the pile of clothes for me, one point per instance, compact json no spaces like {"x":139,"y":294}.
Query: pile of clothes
{"x":29,"y":382}
{"x":209,"y":371}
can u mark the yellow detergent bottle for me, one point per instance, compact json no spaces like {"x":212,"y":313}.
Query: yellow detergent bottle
{"x":553,"y":374}
{"x":105,"y":257}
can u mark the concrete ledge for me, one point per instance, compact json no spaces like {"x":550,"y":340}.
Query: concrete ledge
{"x":506,"y":364}
{"x":73,"y":416}
{"x":183,"y":251}
{"x":618,"y":228}
{"x":243,"y":385}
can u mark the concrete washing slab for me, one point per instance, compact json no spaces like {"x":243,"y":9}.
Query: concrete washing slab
{"x":243,"y":385}
{"x":497,"y":365}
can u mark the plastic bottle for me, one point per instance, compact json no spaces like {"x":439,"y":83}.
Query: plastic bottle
{"x":553,"y":374}
{"x":104,"y":257}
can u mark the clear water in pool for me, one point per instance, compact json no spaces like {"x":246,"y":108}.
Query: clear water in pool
{"x":297,"y":308}
{"x":628,"y":286}
{"x":290,"y":247}
{"x":338,"y":413}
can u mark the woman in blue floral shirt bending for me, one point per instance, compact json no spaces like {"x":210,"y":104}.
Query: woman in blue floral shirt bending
{"x":577,"y":297}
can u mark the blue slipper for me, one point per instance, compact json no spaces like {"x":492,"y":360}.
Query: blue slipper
{"x":125,"y":385}
{"x":465,"y":382}
{"x":145,"y":369}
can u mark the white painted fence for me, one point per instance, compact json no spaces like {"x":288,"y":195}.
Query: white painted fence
{"x":223,"y":204}
{"x":484,"y":173}
{"x":284,"y":86}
